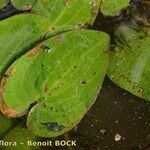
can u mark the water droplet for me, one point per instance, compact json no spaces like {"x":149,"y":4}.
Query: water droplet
{"x":53,"y":126}
{"x":47,"y":49}
{"x":111,"y":76}
{"x":53,"y":109}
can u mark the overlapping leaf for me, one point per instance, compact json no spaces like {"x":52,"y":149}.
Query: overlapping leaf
{"x":60,"y":76}
{"x":21,"y":138}
{"x":5,"y":125}
{"x":24,"y":4}
{"x":63,"y":78}
{"x":62,"y":13}
{"x":113,"y":7}
{"x":14,"y":131}
{"x":17,"y":35}
{"x":28,"y":29}
{"x":129,"y":63}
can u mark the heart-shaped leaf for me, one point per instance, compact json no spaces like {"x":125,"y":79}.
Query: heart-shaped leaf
{"x":129,"y":63}
{"x":61,"y":77}
{"x":58,"y":79}
{"x":113,"y":7}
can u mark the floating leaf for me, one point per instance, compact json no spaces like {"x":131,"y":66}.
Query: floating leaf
{"x":25,"y":30}
{"x":62,"y":13}
{"x":19,"y":33}
{"x":21,"y":138}
{"x":23,"y":4}
{"x":113,"y":7}
{"x":129,"y":63}
{"x":67,"y":12}
{"x":60,"y":77}
{"x":5,"y":125}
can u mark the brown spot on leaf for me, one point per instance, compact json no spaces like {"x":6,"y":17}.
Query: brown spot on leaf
{"x":36,"y":50}
{"x":46,"y":88}
{"x":83,"y":82}
{"x":27,"y":7}
{"x":7,"y":111}
{"x":58,"y":38}
{"x":9,"y":71}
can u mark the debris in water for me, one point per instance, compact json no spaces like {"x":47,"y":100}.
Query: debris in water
{"x":117,"y":137}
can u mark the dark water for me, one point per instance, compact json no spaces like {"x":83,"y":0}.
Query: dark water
{"x":117,"y":114}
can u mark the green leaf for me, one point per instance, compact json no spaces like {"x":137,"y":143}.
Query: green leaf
{"x":20,"y":138}
{"x":3,"y":3}
{"x":5,"y":125}
{"x":68,"y":12}
{"x":61,"y":77}
{"x":129,"y":63}
{"x":113,"y":7}
{"x":23,"y":4}
{"x":19,"y":33}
